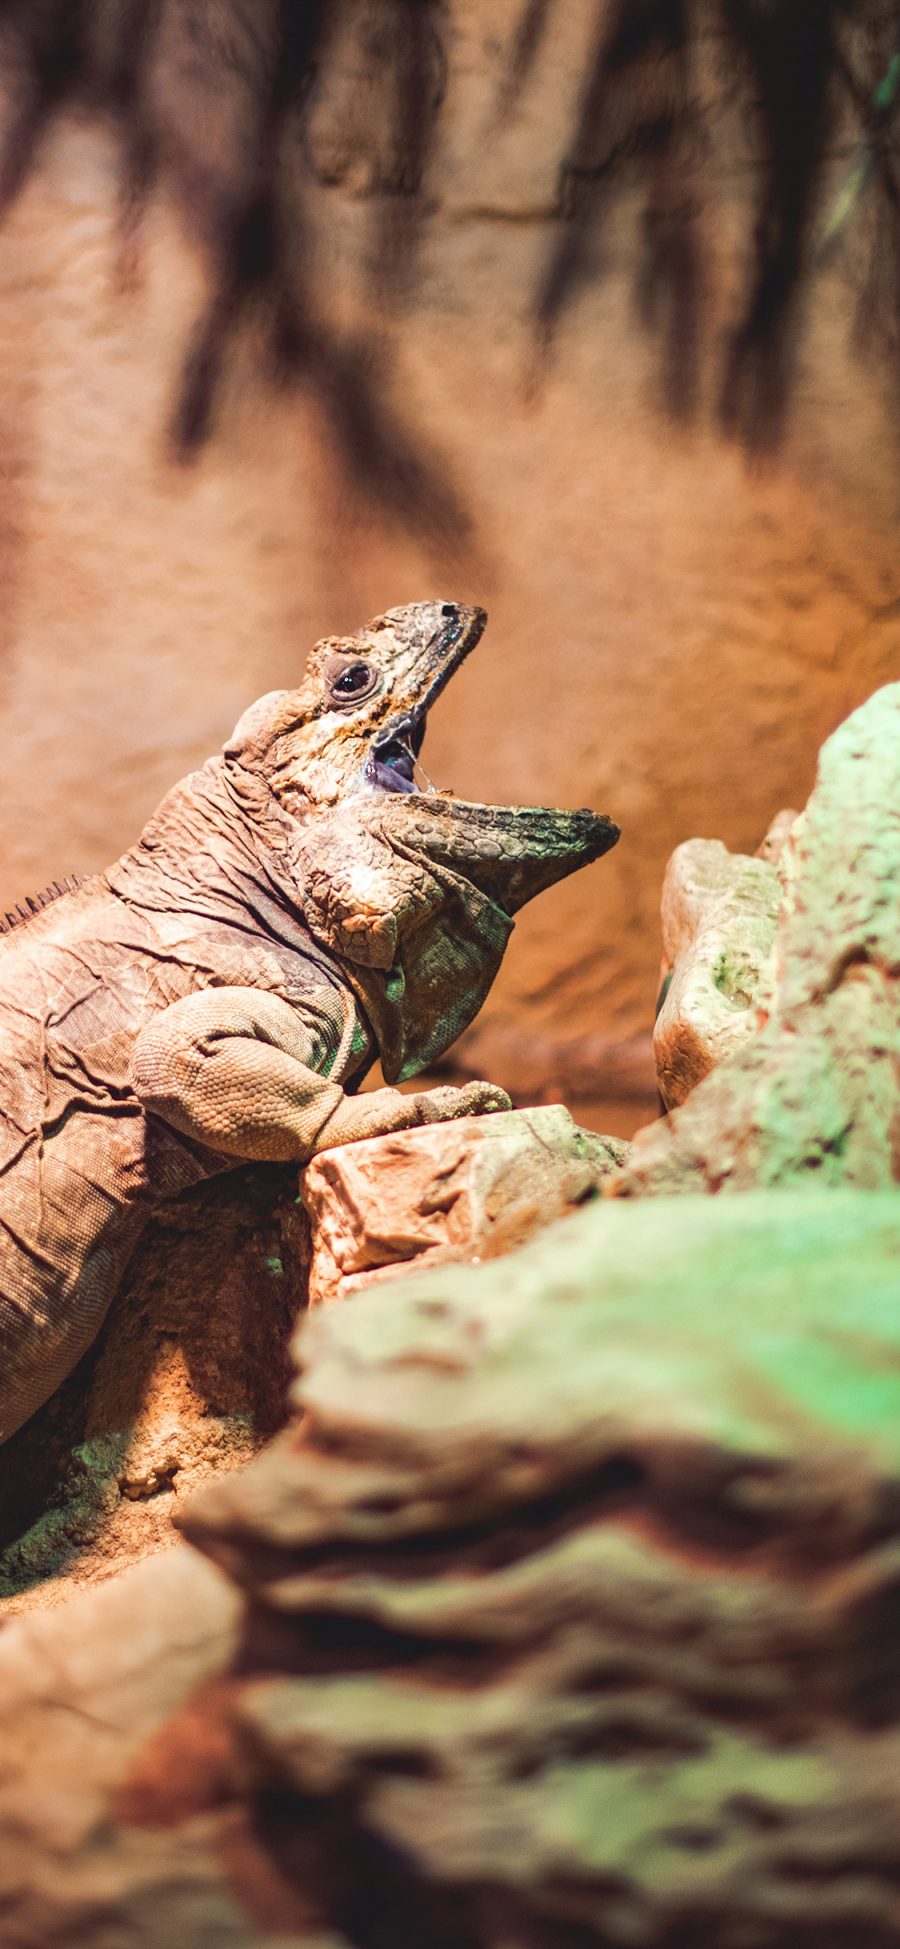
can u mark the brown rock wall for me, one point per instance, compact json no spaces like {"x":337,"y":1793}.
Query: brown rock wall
{"x":673,"y":632}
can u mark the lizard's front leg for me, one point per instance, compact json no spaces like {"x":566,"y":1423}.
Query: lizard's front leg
{"x":236,"y":1069}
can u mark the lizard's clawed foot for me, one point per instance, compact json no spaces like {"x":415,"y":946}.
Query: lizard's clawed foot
{"x":472,"y":1100}
{"x":376,"y":1112}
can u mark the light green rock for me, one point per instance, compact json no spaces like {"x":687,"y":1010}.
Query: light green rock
{"x":589,"y":1558}
{"x":814,"y":1096}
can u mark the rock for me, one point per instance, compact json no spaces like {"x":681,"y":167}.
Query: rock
{"x":814,"y":1096}
{"x":188,"y":1376}
{"x":772,"y":846}
{"x":719,"y":912}
{"x":82,"y":1692}
{"x":572,"y":1618}
{"x":105,"y":1704}
{"x":452,"y":1191}
{"x":573,"y":1598}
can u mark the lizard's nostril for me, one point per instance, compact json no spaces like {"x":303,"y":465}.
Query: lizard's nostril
{"x":448,"y":609}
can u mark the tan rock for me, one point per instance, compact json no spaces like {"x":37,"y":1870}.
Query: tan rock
{"x":775,"y":841}
{"x":454,"y":1191}
{"x":719,"y":913}
{"x":84,"y":1692}
{"x":815,"y":1094}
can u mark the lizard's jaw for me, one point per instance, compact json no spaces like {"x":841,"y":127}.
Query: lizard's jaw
{"x":391,"y":764}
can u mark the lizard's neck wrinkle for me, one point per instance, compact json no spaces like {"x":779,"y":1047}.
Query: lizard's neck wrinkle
{"x":214,"y":851}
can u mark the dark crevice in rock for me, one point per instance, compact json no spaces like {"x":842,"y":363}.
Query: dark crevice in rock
{"x":199,"y":1293}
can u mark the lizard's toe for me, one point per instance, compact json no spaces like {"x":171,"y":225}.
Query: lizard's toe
{"x":472,"y":1100}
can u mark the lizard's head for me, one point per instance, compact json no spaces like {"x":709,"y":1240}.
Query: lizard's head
{"x":377,"y":854}
{"x":378,"y":686}
{"x":351,"y":734}
{"x":357,"y":720}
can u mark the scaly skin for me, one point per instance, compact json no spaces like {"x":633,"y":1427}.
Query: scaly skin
{"x":292,"y":912}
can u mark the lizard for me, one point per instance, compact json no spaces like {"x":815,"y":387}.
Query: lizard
{"x":295,"y":910}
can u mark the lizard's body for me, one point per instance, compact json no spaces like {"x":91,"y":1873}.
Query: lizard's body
{"x":214,"y":994}
{"x":81,"y":1163}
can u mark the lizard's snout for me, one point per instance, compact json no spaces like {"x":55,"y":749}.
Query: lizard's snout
{"x":447,"y":631}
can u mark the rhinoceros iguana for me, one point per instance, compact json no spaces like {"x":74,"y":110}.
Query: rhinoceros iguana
{"x":293,"y":911}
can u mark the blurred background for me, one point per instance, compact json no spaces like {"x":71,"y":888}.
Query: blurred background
{"x":583,"y":311}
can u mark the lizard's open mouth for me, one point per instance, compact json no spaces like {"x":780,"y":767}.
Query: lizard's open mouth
{"x":392,"y":764}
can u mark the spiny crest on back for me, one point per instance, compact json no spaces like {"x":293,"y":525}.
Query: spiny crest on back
{"x":36,"y":902}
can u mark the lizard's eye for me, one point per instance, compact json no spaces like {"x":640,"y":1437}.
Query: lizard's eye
{"x":349,"y":683}
{"x":352,"y":681}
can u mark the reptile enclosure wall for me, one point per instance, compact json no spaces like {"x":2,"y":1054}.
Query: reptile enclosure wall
{"x":673,"y":629}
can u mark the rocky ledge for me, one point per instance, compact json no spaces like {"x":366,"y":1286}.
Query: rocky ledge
{"x":567,"y":1614}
